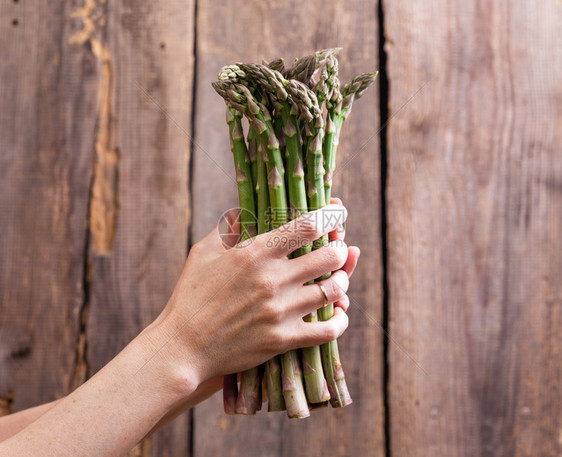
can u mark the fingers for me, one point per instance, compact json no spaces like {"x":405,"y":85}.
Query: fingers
{"x":353,"y":254}
{"x":339,"y":233}
{"x":343,"y":303}
{"x":328,"y":258}
{"x":302,"y":231}
{"x":311,"y":297}
{"x":314,"y":333}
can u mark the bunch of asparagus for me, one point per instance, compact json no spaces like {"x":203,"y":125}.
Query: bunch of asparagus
{"x":284,"y":168}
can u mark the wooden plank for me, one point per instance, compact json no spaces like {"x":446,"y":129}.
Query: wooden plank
{"x":48,"y":91}
{"x":235,"y":31}
{"x":475,"y":228}
{"x":140,"y":204}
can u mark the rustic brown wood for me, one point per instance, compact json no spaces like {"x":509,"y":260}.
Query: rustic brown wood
{"x":48,"y":93}
{"x":139,"y":206}
{"x":475,"y":228}
{"x":229,"y":32}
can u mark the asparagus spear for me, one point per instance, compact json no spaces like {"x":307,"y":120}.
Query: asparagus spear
{"x":311,"y":113}
{"x":305,"y":68}
{"x":240,"y":97}
{"x":293,"y":389}
{"x":230,"y":393}
{"x":339,"y":106}
{"x":273,"y":82}
{"x":243,"y":174}
{"x":277,"y":64}
{"x":247,"y":221}
{"x":255,"y":91}
{"x":248,"y":397}
{"x":272,"y":367}
{"x":252,"y":139}
{"x":248,"y":401}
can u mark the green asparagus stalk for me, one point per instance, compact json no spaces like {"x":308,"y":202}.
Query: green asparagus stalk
{"x":312,"y":115}
{"x":240,"y":97}
{"x":252,"y":139}
{"x":325,"y":84}
{"x":337,"y":113}
{"x":264,"y":222}
{"x":277,"y":64}
{"x":306,"y":69}
{"x":316,"y":387}
{"x":293,"y":389}
{"x":296,"y":97}
{"x":274,"y":83}
{"x":249,"y":396}
{"x":273,"y":380}
{"x":276,"y":400}
{"x":339,"y":106}
{"x":248,"y":401}
{"x":248,"y":227}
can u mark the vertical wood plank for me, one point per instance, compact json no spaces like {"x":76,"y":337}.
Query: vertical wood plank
{"x":48,"y":90}
{"x":140,"y":209}
{"x":233,"y":31}
{"x":475,"y":228}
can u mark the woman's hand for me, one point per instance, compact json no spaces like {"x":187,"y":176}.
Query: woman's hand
{"x":231,"y":309}
{"x":236,"y":308}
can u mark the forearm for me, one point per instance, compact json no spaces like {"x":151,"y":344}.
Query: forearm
{"x":114,"y":410}
{"x":16,"y":422}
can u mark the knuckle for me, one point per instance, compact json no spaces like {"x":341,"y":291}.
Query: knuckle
{"x":196,"y":249}
{"x":341,"y":282}
{"x":267,"y":285}
{"x":250,"y":255}
{"x":280,"y":341}
{"x":271,"y":312}
{"x":341,"y":253}
{"x":336,"y":326}
{"x":307,"y":229}
{"x":330,"y":332}
{"x":335,"y":290}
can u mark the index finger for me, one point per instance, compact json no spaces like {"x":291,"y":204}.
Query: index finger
{"x":302,"y":230}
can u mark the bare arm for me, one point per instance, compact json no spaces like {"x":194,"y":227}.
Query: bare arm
{"x":195,"y":339}
{"x":15,"y":423}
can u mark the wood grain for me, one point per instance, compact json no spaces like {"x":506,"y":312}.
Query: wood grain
{"x":475,"y":228}
{"x":140,"y":204}
{"x":233,"y":31}
{"x":48,"y":92}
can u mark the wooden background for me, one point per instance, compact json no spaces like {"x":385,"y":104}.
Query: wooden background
{"x":114,"y":159}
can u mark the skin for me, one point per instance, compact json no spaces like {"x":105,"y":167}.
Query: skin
{"x":180,"y":359}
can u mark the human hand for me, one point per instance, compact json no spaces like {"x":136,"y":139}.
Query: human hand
{"x":236,"y":308}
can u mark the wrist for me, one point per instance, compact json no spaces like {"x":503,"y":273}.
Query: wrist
{"x":175,"y":371}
